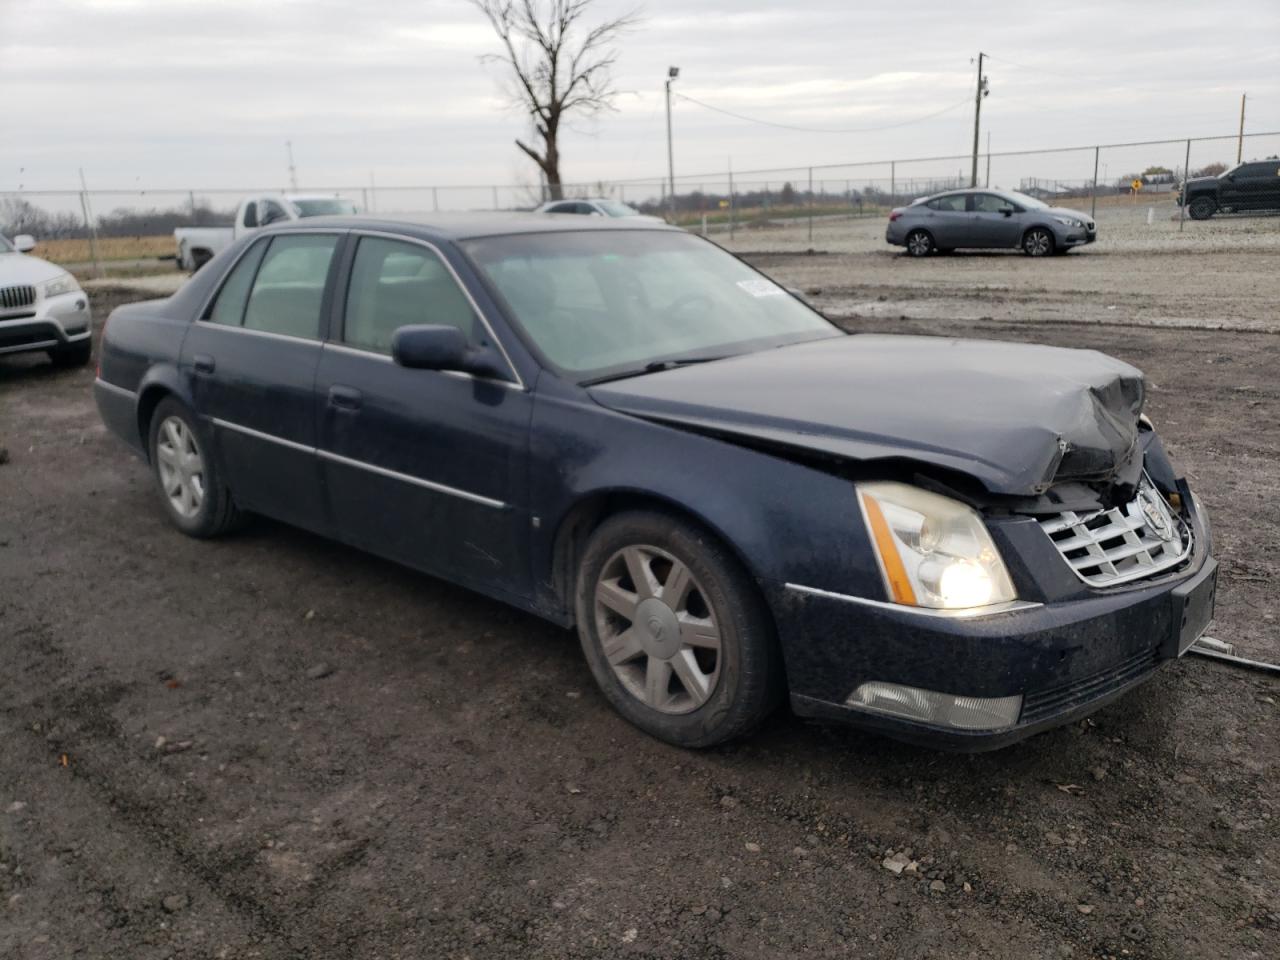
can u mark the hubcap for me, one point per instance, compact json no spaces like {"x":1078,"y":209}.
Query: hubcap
{"x":657,"y":629}
{"x":181,"y":467}
{"x":918,"y":243}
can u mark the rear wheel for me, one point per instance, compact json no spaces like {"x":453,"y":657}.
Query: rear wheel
{"x":675,"y":632}
{"x":920,"y":243}
{"x":195,"y":498}
{"x":1037,"y":242}
{"x":1202,"y":208}
{"x":73,"y":354}
{"x":199,"y":258}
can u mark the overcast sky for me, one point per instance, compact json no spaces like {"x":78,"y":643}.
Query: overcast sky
{"x":204,"y":93}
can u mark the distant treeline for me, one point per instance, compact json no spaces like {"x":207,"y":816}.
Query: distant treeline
{"x":22,"y":216}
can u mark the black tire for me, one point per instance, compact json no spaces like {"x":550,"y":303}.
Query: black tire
{"x":73,"y":354}
{"x":217,"y":513}
{"x":920,"y":243}
{"x":1202,"y":208}
{"x":199,"y":258}
{"x":1038,"y":242}
{"x":749,"y":670}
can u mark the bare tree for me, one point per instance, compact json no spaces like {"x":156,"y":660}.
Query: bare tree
{"x":559,"y":67}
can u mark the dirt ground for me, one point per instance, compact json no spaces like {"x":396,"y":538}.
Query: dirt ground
{"x":272,"y":746}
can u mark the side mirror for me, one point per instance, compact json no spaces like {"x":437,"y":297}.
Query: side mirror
{"x":24,"y":243}
{"x":428,"y":346}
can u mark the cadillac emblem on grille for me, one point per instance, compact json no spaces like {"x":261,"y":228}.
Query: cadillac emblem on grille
{"x":1157,"y":515}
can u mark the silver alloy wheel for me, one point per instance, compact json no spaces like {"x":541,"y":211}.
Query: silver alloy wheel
{"x":657,"y":629}
{"x":1037,"y":243}
{"x":919,"y":243}
{"x":181,"y":466}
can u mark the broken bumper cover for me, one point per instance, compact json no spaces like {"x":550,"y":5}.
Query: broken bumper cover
{"x":1060,"y":660}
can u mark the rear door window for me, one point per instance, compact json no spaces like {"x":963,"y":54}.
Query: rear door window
{"x":228,"y":308}
{"x":950,"y":204}
{"x":289,"y":288}
{"x":395,"y":284}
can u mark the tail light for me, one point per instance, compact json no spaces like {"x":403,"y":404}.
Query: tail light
{"x":894,"y":215}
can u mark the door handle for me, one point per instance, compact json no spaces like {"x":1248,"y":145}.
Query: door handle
{"x":202,"y":363}
{"x":345,"y":398}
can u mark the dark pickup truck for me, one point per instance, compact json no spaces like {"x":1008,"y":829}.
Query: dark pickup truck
{"x":1247,"y":186}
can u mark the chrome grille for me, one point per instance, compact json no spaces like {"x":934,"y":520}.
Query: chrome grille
{"x":1107,"y":547}
{"x":11,"y":298}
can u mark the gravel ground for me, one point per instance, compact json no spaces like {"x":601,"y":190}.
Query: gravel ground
{"x":272,"y":746}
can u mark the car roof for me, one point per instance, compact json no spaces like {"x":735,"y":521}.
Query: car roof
{"x":470,"y":226}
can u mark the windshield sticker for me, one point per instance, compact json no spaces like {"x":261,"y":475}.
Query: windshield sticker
{"x":761,"y":288}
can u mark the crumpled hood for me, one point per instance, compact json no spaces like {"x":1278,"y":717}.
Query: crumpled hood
{"x":1014,"y":416}
{"x":18,"y":269}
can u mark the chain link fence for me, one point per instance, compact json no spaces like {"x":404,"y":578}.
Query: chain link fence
{"x":1114,"y":183}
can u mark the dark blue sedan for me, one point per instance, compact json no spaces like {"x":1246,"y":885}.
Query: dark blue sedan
{"x":623,"y":428}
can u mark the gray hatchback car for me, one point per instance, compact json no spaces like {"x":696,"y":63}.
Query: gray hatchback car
{"x":989,"y":219}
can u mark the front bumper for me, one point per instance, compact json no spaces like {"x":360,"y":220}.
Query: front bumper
{"x":1076,"y":236}
{"x":1065,"y":658}
{"x":48,"y":324}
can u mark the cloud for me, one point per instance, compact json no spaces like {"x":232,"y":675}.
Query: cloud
{"x":205,"y":92}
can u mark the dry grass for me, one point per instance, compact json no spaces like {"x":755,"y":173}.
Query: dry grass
{"x":109,"y":248}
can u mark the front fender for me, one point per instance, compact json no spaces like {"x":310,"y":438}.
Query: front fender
{"x":786,"y":521}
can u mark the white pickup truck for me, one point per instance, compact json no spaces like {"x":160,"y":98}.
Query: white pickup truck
{"x":198,"y":245}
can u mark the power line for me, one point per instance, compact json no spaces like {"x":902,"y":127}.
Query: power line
{"x":788,"y":126}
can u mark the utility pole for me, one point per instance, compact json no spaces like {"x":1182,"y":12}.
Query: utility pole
{"x":293,"y":173}
{"x":1240,"y":141}
{"x":672,"y":73}
{"x":977,"y":118}
{"x":987,"y":181}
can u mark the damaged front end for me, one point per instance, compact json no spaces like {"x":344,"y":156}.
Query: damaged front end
{"x":1037,"y":553}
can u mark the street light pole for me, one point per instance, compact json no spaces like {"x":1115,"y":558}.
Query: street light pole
{"x":672,"y":73}
{"x":1240,"y":140}
{"x":977,"y":118}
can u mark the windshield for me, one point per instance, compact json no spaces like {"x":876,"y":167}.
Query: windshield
{"x":601,"y":304}
{"x":1031,"y":203}
{"x":615,"y":209}
{"x":323,"y":207}
{"x":5,"y":245}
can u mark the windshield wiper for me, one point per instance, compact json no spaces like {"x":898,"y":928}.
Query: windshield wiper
{"x":656,"y":366}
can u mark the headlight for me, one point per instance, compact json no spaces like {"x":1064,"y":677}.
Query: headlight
{"x":59,"y":285}
{"x":1068,"y":221}
{"x":933,"y":551}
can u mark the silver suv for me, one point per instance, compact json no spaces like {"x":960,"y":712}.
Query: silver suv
{"x":987,"y":219}
{"x":41,"y":307}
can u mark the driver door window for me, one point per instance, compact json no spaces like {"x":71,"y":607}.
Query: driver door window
{"x":990,"y":203}
{"x":395,"y":284}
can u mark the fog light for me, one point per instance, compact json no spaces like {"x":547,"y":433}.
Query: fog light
{"x":939,"y":709}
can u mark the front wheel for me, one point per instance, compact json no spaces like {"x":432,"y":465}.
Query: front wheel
{"x":674,"y":631}
{"x":919,"y":243}
{"x":1037,"y":242}
{"x":1202,"y":208}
